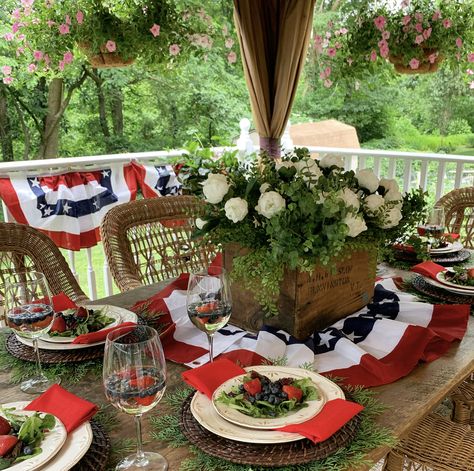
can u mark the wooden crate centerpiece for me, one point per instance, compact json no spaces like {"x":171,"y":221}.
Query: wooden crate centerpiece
{"x":308,"y":301}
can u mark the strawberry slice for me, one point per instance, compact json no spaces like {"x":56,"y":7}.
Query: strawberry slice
{"x":7,"y":442}
{"x":5,"y":426}
{"x":293,"y":392}
{"x":59,"y":325}
{"x":141,"y":382}
{"x":145,"y":401}
{"x":203,"y":320}
{"x":82,"y":313}
{"x":470,"y":273}
{"x":253,"y":386}
{"x":208,"y":307}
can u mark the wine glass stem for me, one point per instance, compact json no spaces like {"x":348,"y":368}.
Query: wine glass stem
{"x":39,"y":370}
{"x":138,"y":426}
{"x":210,"y":338}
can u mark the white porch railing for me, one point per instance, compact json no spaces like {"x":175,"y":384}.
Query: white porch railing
{"x":436,"y":172}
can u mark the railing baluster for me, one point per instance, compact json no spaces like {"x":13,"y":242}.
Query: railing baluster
{"x":350,"y":162}
{"x":91,"y":275}
{"x":72,"y":264}
{"x":391,"y":167}
{"x":107,"y":278}
{"x":377,"y":164}
{"x":6,"y":213}
{"x":458,"y":177}
{"x":424,"y":175}
{"x":362,"y":161}
{"x":407,"y":175}
{"x":440,"y":180}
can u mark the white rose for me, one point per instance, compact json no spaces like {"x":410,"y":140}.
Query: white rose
{"x":373,"y":203}
{"x":309,"y":169}
{"x":281,"y":164}
{"x":393,"y":195}
{"x":215,"y":187}
{"x":236,"y":209}
{"x":264,"y":187}
{"x":349,"y":198}
{"x":392,"y":218}
{"x":270,"y":203}
{"x":200,"y":223}
{"x":367,"y":179}
{"x":330,"y":160}
{"x":356,"y":225}
{"x":389,"y":184}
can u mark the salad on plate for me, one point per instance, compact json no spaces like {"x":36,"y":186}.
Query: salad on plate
{"x":460,"y":276}
{"x":75,"y":322}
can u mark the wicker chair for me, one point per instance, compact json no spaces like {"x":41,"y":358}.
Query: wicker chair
{"x":435,"y":444}
{"x":149,"y":240}
{"x":459,"y":211}
{"x":23,"y":248}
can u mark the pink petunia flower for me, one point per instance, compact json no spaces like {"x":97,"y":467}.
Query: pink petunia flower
{"x":16,"y":14}
{"x":175,"y":49}
{"x":46,"y":59}
{"x":8,"y":36}
{"x":380,"y":22}
{"x":328,"y":83}
{"x":414,"y":64}
{"x":50,"y":23}
{"x":63,"y":29}
{"x":155,"y":30}
{"x":386,"y":35}
{"x":470,"y":57}
{"x":459,"y":42}
{"x":38,"y":55}
{"x":373,"y":56}
{"x":436,"y":15}
{"x":419,"y":16}
{"x":20,"y":51}
{"x":68,"y":57}
{"x":67,"y":20}
{"x":384,"y":52}
{"x":231,"y":57}
{"x":16,"y":27}
{"x":470,"y":72}
{"x":61,"y":65}
{"x":9,"y":80}
{"x":470,"y":86}
{"x":419,"y":39}
{"x":432,"y":57}
{"x":344,"y":30}
{"x":20,"y":37}
{"x":229,"y":42}
{"x":6,"y":70}
{"x":427,"y":33}
{"x":332,"y":51}
{"x":79,"y":17}
{"x":406,"y":19}
{"x":419,"y":27}
{"x":328,"y":35}
{"x":325,"y":73}
{"x":447,"y":23}
{"x":32,"y":68}
{"x":110,"y":46}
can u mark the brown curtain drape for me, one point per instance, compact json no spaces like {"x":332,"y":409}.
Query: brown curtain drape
{"x":273,"y":36}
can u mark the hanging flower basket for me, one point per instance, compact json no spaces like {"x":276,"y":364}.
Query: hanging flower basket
{"x":104,"y":59}
{"x":426,"y":66}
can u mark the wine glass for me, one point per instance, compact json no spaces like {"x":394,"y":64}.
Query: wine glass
{"x":435,"y":225}
{"x":134,"y":376}
{"x":209,"y":302}
{"x":30,"y":314}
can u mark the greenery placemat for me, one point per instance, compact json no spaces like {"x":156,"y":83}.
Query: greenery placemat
{"x":369,"y":436}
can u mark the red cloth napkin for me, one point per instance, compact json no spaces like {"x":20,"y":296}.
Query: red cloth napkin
{"x":100,"y":335}
{"x":429,"y":269}
{"x":332,"y":417}
{"x":71,"y":410}
{"x":207,"y":378}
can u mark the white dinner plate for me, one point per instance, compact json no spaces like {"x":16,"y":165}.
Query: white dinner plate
{"x":207,"y":416}
{"x":273,"y":373}
{"x":125,"y":315}
{"x":451,"y":248}
{"x":447,"y":288}
{"x":106,"y":310}
{"x":51,"y":444}
{"x":441,"y":277}
{"x":74,"y":448}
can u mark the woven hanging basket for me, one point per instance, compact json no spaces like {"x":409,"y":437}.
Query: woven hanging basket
{"x":425,"y":67}
{"x":104,"y":59}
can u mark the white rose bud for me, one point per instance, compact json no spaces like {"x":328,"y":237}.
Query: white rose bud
{"x":349,"y":198}
{"x":215,"y":187}
{"x":389,"y":184}
{"x":264,"y":187}
{"x":330,"y":160}
{"x":200,"y":223}
{"x":270,"y":203}
{"x":236,"y":209}
{"x":367,"y":179}
{"x":356,"y":225}
{"x":373,"y":203}
{"x":393,"y":195}
{"x":392,"y":218}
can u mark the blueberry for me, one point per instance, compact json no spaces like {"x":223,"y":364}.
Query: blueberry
{"x":251,"y":399}
{"x":27,"y":450}
{"x":258,"y":396}
{"x":271,"y":399}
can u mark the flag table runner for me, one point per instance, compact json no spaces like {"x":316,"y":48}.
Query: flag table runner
{"x":377,"y":345}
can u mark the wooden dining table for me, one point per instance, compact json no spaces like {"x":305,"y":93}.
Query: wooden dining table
{"x":407,"y":400}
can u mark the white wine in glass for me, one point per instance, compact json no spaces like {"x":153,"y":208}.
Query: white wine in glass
{"x":134,"y":376}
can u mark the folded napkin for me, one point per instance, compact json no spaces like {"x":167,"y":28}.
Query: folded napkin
{"x":70,"y":409}
{"x":101,"y":335}
{"x":429,"y":269}
{"x":207,"y":378}
{"x":332,"y":417}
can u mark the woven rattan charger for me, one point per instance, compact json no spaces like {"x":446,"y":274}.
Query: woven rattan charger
{"x":98,"y":453}
{"x":421,"y":285}
{"x":274,"y":455}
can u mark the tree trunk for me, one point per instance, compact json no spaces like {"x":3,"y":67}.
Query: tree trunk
{"x":5,"y":128}
{"x":116,"y":105}
{"x":50,"y":139}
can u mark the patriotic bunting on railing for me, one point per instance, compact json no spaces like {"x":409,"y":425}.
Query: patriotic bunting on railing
{"x":70,"y":207}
